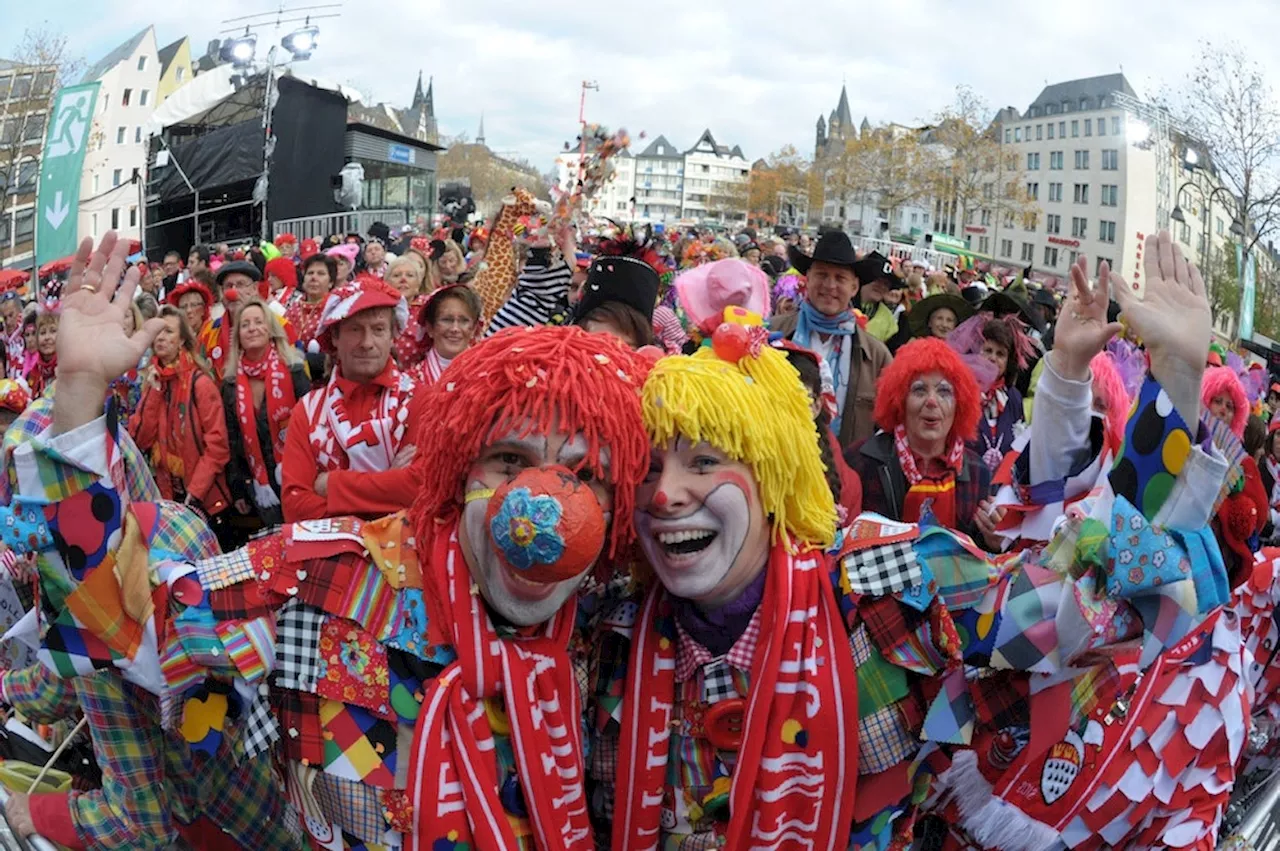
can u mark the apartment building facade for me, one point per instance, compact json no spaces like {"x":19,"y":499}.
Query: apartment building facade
{"x":26,"y":97}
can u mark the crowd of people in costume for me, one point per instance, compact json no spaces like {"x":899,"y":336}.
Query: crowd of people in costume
{"x":532,"y":537}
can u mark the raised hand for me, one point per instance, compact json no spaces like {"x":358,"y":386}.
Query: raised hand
{"x":1082,"y":330}
{"x":1173,"y":321}
{"x":93,"y":349}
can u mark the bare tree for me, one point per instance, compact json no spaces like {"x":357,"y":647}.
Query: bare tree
{"x":40,"y":66}
{"x":1228,"y":104}
{"x":965,"y":167}
{"x":783,"y":174}
{"x":878,"y":170}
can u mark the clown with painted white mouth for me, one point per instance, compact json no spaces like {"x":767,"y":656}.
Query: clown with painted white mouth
{"x":784,"y":683}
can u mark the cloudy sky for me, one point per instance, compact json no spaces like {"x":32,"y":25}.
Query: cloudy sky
{"x":756,"y":73}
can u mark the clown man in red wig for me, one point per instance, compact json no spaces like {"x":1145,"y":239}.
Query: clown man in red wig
{"x":423,"y":691}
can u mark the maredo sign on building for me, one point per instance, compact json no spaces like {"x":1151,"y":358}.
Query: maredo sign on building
{"x":1069,"y":243}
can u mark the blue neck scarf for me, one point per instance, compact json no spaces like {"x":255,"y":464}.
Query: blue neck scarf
{"x":812,"y":321}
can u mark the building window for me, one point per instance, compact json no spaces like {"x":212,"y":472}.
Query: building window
{"x":142,"y":63}
{"x":1115,"y":126}
{"x":1033,"y":191}
{"x":1079,"y":227}
{"x":1050,"y":256}
{"x":1028,"y":252}
{"x":1039,"y":132}
{"x":28,"y":171}
{"x":1030,"y":220}
{"x":1026,"y":133}
{"x":986,"y":218}
{"x":1053,"y":224}
{"x":1088,"y":127}
{"x":1097,"y":269}
{"x":1075,"y":128}
{"x":1081,"y":193}
{"x":1050,"y":129}
{"x":1111,"y":195}
{"x":125,"y":98}
{"x":21,"y":87}
{"x":706,"y":169}
{"x":1102,"y":126}
{"x":120,"y":131}
{"x":179,"y":74}
{"x":24,"y":226}
{"x":137,"y":134}
{"x":1055,"y":192}
{"x":1033,"y":162}
{"x":115,"y":218}
{"x":1055,"y":160}
{"x":984,"y":244}
{"x":142,"y":97}
{"x":1107,"y":231}
{"x":1219,"y":227}
{"x":1006,"y":248}
{"x":115,"y":176}
{"x":1008,"y":135}
{"x":1184,"y":233}
{"x":1062,"y":129}
{"x":1017,"y":134}
{"x":1072,"y":257}
{"x":33,"y":131}
{"x":988,"y":191}
{"x":133,"y":217}
{"x":1110,"y":160}
{"x":1082,"y":159}
{"x":95,"y":188}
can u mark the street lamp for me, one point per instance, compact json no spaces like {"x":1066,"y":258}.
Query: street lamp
{"x":1177,"y":214}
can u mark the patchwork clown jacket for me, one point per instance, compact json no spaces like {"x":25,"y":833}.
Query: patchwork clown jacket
{"x":1137,"y":744}
{"x":311,"y":642}
{"x":953,"y":645}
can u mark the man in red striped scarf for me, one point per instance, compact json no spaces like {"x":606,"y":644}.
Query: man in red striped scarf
{"x":423,"y":692}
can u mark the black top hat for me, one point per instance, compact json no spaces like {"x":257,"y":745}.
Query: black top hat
{"x":833,"y":247}
{"x":876,"y":267}
{"x":619,"y":278}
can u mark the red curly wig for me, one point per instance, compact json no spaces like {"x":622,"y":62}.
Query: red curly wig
{"x":920,"y":357}
{"x":533,"y":379}
{"x":1223,"y":381}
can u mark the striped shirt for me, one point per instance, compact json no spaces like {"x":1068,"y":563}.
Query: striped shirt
{"x":539,"y":293}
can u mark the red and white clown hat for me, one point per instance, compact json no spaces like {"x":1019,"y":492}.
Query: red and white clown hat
{"x":365,"y":293}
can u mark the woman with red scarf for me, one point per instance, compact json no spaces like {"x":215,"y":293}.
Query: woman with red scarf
{"x":180,"y":422}
{"x":42,"y":363}
{"x":928,"y":405}
{"x":264,"y":379}
{"x":319,"y":271}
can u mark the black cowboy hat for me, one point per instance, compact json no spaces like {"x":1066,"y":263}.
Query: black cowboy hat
{"x":1044,"y":298}
{"x":626,"y":280}
{"x":1013,"y":299}
{"x":833,"y":247}
{"x":876,"y":267}
{"x":918,"y":317}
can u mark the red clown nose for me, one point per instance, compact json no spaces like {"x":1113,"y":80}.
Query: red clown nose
{"x":546,"y":525}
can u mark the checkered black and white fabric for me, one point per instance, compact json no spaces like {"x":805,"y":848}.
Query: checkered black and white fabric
{"x":297,"y":646}
{"x":260,"y":728}
{"x":878,"y":571}
{"x":717,"y":682}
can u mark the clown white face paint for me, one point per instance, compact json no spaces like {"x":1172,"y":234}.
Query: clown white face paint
{"x":701,"y":523}
{"x":513,"y":597}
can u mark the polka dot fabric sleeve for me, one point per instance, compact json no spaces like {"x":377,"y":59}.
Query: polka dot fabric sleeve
{"x":1156,"y":444}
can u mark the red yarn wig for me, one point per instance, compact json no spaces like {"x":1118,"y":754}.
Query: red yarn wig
{"x":532,"y":380}
{"x":1222,"y":381}
{"x":920,"y":357}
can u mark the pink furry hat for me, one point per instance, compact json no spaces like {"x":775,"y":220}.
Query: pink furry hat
{"x":1222,"y":381}
{"x":1109,"y":388}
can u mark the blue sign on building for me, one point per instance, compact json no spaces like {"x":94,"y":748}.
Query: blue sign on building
{"x":400,"y":154}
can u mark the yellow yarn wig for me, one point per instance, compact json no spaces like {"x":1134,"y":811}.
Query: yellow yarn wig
{"x":756,"y":411}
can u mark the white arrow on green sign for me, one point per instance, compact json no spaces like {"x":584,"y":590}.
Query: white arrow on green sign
{"x":64,"y":148}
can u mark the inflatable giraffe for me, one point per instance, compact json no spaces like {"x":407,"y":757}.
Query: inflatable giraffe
{"x":497,"y":277}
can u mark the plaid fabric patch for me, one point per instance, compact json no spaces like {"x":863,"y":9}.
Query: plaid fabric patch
{"x":889,"y":623}
{"x":260,"y":730}
{"x":297,"y":643}
{"x":883,"y":741}
{"x":301,"y":738}
{"x":883,"y":569}
{"x":324,"y":582}
{"x":354,"y":807}
{"x":241,"y":601}
{"x":225,"y":569}
{"x":880,"y":683}
{"x":690,"y":655}
{"x":1000,"y":700}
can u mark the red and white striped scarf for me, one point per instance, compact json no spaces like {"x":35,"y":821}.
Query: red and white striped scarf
{"x":432,"y":366}
{"x":453,"y":770}
{"x":369,"y":446}
{"x":279,"y":398}
{"x":793,"y":784}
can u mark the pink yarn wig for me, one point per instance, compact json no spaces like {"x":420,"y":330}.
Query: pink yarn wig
{"x":1109,"y":388}
{"x":1222,"y":381}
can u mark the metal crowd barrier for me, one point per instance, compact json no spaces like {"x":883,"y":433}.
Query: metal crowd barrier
{"x":10,"y":841}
